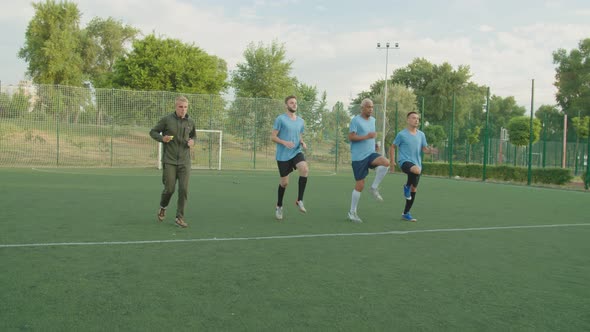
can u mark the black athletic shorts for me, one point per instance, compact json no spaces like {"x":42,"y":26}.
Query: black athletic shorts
{"x":413,"y":179}
{"x":288,"y":166}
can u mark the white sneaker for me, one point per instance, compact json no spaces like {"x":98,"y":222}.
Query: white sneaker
{"x":376,"y":195}
{"x":279,"y":213}
{"x":300,"y":206}
{"x":352,"y":216}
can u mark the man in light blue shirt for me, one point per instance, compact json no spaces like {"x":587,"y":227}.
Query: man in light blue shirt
{"x":287,"y":133}
{"x":364,"y":157}
{"x":410,"y":142}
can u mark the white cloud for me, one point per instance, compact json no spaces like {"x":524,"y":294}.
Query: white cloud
{"x":553,"y":4}
{"x":582,"y":12}
{"x":248,"y":13}
{"x":16,"y":11}
{"x":485,"y":28}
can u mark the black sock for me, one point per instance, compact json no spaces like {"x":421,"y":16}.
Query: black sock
{"x":302,"y":183}
{"x":281,"y":194}
{"x":409,"y":203}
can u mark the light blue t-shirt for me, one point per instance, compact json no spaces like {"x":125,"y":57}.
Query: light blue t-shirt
{"x":289,"y":130}
{"x":360,"y":150}
{"x":410,"y":147}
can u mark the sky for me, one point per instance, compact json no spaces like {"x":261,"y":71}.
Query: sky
{"x":332,"y":43}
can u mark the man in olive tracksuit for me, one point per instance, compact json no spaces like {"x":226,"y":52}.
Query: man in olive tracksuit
{"x":177,"y":132}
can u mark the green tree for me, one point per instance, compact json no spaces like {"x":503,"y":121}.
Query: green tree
{"x":14,"y":105}
{"x":502,"y":111}
{"x":336,"y":131}
{"x":319,"y":112}
{"x":397,"y":96}
{"x":519,"y":130}
{"x":572,"y":79}
{"x":265,"y":73}
{"x":104,"y":41}
{"x":581,"y":126}
{"x":469,"y":104}
{"x":405,"y":100}
{"x":52,"y":44}
{"x":306,"y":100}
{"x":552,"y":120}
{"x":435,"y":135}
{"x":436,"y":83}
{"x":396,"y":93}
{"x":264,"y":76}
{"x":312,"y":110}
{"x":417,"y":75}
{"x":472,"y":137}
{"x":170,"y":65}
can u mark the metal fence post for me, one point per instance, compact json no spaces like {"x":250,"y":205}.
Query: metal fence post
{"x":255,"y":125}
{"x":452,"y":138}
{"x":57,"y":121}
{"x":337,"y":137}
{"x":485,"y":147}
{"x":530,"y":170}
{"x":112,"y":122}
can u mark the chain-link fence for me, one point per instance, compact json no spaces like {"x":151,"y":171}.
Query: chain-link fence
{"x":80,"y":127}
{"x":45,"y":125}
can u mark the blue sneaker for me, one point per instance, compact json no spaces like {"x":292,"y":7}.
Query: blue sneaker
{"x":407,"y":193}
{"x":408,"y":217}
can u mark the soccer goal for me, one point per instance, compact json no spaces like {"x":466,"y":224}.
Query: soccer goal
{"x":206,"y":152}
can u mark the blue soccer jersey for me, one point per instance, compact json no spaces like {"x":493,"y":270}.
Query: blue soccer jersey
{"x":360,"y":150}
{"x":410,"y":147}
{"x":289,"y":130}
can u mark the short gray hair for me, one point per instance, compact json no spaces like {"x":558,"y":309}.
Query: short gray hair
{"x":365,"y":102}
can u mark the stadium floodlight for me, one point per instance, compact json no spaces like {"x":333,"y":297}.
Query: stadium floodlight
{"x":386,"y":47}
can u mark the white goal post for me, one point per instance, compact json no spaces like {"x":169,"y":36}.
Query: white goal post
{"x":504,"y":134}
{"x":197,"y":131}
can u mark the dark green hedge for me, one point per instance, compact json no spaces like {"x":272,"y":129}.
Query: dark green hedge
{"x":503,"y":172}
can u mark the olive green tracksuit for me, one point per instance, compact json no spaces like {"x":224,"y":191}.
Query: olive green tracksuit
{"x":176,"y":157}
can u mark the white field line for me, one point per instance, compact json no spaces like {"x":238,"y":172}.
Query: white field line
{"x":280,"y":237}
{"x":204,"y":173}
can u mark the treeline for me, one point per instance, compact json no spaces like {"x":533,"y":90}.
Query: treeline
{"x":107,"y":56}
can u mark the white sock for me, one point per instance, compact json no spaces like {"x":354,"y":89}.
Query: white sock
{"x":381,"y":172}
{"x":356,"y":196}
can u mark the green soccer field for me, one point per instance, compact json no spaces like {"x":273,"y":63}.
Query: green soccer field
{"x":81,"y":250}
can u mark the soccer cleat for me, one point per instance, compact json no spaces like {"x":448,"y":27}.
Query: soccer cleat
{"x":352,"y":216}
{"x":161,"y":214}
{"x":279,"y":213}
{"x":407,"y":193}
{"x":408,"y":217}
{"x":300,"y":206}
{"x":376,"y":195}
{"x":180,"y":222}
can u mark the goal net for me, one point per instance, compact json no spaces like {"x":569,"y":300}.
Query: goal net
{"x":206,"y":153}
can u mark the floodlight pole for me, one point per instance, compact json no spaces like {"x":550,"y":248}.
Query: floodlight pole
{"x":386,"y":47}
